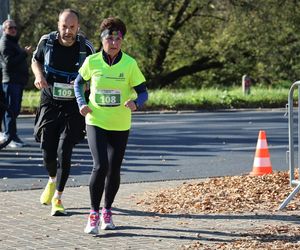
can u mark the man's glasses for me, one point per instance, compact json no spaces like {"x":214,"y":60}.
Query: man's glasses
{"x":12,"y":27}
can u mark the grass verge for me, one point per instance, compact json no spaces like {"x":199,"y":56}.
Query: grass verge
{"x":197,"y":99}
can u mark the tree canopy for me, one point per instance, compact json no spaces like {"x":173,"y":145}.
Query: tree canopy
{"x":186,"y":43}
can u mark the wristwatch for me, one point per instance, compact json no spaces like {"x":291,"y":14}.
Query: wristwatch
{"x":136,"y":104}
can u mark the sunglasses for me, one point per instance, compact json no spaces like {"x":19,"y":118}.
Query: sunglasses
{"x":12,"y":27}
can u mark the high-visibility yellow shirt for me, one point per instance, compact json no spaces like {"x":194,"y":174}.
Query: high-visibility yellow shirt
{"x":110,"y":88}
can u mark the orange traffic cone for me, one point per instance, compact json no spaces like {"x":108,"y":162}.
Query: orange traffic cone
{"x":262,"y":163}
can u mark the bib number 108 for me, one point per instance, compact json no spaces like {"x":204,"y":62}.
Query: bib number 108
{"x":108,"y":97}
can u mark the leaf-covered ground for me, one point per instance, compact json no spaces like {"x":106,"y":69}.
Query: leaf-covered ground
{"x":235,"y":194}
{"x":268,"y":238}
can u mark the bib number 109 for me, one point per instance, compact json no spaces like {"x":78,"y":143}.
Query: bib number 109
{"x":63,"y":91}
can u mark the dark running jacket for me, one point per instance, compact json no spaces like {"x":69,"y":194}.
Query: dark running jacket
{"x":13,"y":60}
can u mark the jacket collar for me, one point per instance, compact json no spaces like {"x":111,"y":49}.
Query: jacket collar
{"x":107,"y":59}
{"x":11,"y":38}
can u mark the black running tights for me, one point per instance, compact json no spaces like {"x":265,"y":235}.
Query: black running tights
{"x":58,"y":163}
{"x":108,"y":149}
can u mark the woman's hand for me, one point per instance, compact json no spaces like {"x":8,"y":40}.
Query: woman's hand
{"x":130,"y":104}
{"x":84,"y":110}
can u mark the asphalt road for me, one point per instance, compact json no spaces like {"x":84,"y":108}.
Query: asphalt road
{"x":164,"y":146}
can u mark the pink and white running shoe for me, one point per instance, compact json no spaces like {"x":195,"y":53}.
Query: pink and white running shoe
{"x":106,"y":220}
{"x":92,"y":224}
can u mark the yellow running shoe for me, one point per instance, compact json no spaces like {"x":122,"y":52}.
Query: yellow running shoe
{"x":48,"y":193}
{"x":57,"y":207}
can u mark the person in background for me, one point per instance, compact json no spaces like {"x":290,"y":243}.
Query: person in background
{"x":14,"y":77}
{"x":115,"y":79}
{"x":59,"y":125}
{"x":2,"y":111}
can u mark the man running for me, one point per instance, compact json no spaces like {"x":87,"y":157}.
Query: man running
{"x":59,"y":125}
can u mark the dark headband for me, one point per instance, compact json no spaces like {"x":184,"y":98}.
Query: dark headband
{"x":111,"y":32}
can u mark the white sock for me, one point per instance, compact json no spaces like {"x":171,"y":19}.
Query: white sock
{"x":57,"y":195}
{"x":52,"y":179}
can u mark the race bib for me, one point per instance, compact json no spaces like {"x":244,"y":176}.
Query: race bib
{"x":108,"y":98}
{"x":63,"y":91}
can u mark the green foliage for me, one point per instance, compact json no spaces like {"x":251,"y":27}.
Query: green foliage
{"x":30,"y":101}
{"x":187,"y":43}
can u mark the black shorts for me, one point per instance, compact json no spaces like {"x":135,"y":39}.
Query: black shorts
{"x":53,"y":123}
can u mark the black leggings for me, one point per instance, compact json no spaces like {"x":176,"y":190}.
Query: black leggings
{"x":108,"y":149}
{"x":58,"y":163}
{"x":2,"y":111}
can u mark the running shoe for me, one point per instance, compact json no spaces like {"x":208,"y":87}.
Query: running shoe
{"x":48,"y":193}
{"x":3,"y":137}
{"x":57,"y":207}
{"x":92,"y":224}
{"x":16,"y":142}
{"x":106,"y":220}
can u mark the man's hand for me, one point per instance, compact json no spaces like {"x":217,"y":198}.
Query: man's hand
{"x":84,"y":110}
{"x":28,"y":49}
{"x":40,"y":83}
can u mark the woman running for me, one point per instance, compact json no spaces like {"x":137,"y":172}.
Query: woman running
{"x":114,"y":78}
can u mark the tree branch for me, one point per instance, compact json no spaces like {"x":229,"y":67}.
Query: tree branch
{"x":166,"y":38}
{"x":201,"y":64}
